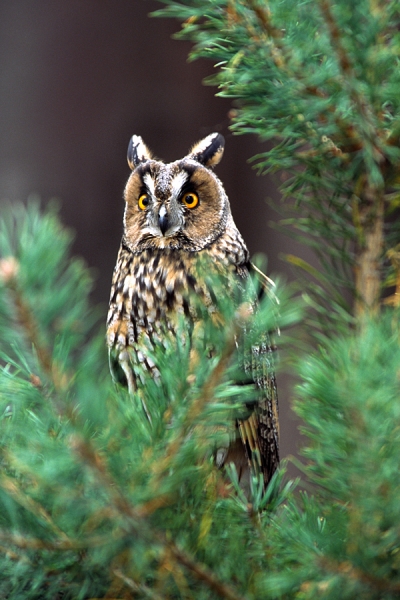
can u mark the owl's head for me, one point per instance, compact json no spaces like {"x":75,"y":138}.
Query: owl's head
{"x":181,"y":205}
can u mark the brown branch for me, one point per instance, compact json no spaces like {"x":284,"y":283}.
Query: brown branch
{"x":14,"y":556}
{"x":60,"y":545}
{"x":138,"y":525}
{"x":205,"y":396}
{"x":368,"y":214}
{"x":280,"y":54}
{"x":336,"y":36}
{"x":9,"y":269}
{"x":264,"y":17}
{"x":368,"y":260}
{"x":202,"y":573}
{"x":137,"y":587}
{"x":363,"y":108}
{"x":10,"y":486}
{"x":346,"y":569}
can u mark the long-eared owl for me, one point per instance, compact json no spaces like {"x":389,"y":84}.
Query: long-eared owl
{"x":176,"y":215}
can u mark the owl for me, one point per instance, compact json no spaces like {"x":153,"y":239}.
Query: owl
{"x":176,"y":216}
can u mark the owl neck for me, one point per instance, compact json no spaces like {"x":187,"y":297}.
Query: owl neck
{"x":229,"y":247}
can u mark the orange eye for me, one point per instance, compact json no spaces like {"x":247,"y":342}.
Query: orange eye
{"x":190,"y":200}
{"x":143,"y":201}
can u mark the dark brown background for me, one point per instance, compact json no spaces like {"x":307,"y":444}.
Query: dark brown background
{"x":77,"y":79}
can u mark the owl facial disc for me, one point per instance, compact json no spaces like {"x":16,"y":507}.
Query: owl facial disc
{"x":180,"y":205}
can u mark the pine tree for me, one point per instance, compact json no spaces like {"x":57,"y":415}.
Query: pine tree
{"x":320,"y":79}
{"x":96,"y":501}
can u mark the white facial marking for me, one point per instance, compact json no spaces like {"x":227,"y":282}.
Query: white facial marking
{"x":178,"y":182}
{"x":149,"y":181}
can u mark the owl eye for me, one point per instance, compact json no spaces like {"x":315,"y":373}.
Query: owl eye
{"x":190,"y":200}
{"x":143,"y":201}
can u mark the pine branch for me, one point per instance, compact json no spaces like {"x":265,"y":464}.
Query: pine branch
{"x":371,"y":218}
{"x":79,"y":506}
{"x":10,"y":486}
{"x":95,"y":500}
{"x":61,"y":544}
{"x":199,"y":403}
{"x":137,"y":587}
{"x":138,"y":525}
{"x":367,"y":121}
{"x":368,"y":283}
{"x":348,"y":570}
{"x":322,"y":83}
{"x":9,"y":269}
{"x":205,"y":575}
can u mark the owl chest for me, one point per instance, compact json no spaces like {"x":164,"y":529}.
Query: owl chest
{"x":151,"y":292}
{"x":155,"y":294}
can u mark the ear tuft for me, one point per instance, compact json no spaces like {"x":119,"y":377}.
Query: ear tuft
{"x":138,"y":152}
{"x":209,"y":150}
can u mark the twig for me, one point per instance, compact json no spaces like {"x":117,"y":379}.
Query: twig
{"x":202,"y":573}
{"x":10,"y":486}
{"x":204,"y":397}
{"x":136,"y":524}
{"x":351,"y":141}
{"x":346,"y":569}
{"x":137,"y":587}
{"x":360,"y":102}
{"x":14,"y":556}
{"x":369,"y":254}
{"x":264,"y":17}
{"x":9,"y":269}
{"x":29,"y":543}
{"x":369,"y":205}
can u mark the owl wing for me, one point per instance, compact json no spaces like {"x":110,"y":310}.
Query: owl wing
{"x":259,"y":433}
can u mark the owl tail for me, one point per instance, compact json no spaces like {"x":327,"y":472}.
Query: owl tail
{"x":244,"y":453}
{"x":237,"y":456}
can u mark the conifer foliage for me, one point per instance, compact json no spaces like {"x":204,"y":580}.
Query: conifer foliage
{"x":100,"y":498}
{"x":321,"y":80}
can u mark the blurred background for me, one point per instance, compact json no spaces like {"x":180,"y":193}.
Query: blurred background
{"x":77,"y":79}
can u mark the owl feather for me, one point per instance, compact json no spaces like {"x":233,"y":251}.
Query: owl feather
{"x":177,"y":216}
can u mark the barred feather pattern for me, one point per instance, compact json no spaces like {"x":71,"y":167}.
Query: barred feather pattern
{"x":157,"y":274}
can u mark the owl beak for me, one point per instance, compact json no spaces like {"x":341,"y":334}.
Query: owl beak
{"x":163,"y":219}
